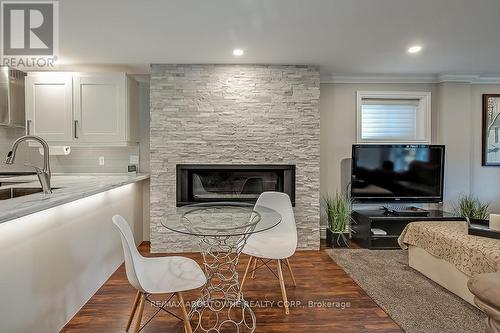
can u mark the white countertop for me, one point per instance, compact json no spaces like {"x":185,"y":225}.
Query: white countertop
{"x":70,"y":188}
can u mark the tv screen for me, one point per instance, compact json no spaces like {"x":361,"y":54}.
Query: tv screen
{"x":406,"y":173}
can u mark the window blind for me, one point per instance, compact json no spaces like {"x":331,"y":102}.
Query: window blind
{"x":389,"y":119}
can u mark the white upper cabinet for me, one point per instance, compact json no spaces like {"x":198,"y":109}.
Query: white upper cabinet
{"x":99,"y":110}
{"x":49,"y":100}
{"x":103,"y":109}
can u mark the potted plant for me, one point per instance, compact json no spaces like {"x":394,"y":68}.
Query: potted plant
{"x":338,"y":210}
{"x":472,"y":209}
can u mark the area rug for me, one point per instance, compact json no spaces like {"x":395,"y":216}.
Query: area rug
{"x":414,"y":302}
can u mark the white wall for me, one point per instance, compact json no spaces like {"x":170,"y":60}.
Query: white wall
{"x":456,"y":123}
{"x":485,"y":181}
{"x":338,"y":127}
{"x":453,"y":129}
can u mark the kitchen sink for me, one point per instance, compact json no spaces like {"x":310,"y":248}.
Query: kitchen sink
{"x":15,"y":192}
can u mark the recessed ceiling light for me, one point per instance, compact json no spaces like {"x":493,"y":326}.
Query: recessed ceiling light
{"x":414,"y":49}
{"x":238,"y":52}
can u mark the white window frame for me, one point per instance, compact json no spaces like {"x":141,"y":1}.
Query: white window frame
{"x":424,"y":106}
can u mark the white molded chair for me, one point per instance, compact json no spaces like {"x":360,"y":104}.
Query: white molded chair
{"x":278,"y":243}
{"x":158,"y":275}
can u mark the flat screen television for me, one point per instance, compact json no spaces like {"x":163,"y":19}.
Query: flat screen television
{"x":397,"y":173}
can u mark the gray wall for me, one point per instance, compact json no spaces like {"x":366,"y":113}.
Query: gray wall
{"x":338,"y":127}
{"x":233,"y":114}
{"x":456,"y":123}
{"x":86,"y":159}
{"x":7,"y":136}
{"x":453,"y":129}
{"x":144,"y":119}
{"x":485,"y":181}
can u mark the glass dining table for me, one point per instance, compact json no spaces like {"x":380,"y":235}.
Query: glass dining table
{"x":222,"y":229}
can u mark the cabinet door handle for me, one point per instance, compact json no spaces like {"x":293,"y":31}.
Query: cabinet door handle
{"x":76,"y":126}
{"x":28,"y":125}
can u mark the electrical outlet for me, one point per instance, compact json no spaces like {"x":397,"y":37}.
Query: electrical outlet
{"x":133,"y":159}
{"x":101,"y":160}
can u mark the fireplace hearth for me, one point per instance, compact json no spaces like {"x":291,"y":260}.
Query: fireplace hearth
{"x":197,"y":183}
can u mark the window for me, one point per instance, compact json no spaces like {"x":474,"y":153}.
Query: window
{"x":393,"y":117}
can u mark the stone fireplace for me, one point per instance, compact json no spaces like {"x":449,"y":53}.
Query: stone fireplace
{"x":231,"y":116}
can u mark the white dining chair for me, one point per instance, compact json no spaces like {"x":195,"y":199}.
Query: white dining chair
{"x":157,"y":275}
{"x":276,"y":244}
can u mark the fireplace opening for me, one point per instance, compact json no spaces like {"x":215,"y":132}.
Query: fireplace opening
{"x":198,"y":183}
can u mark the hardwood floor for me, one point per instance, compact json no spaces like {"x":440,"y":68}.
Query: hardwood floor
{"x":319,"y":280}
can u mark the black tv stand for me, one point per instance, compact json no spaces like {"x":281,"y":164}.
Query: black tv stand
{"x":393,"y":225}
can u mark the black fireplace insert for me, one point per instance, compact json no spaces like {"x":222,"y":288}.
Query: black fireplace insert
{"x":197,"y":183}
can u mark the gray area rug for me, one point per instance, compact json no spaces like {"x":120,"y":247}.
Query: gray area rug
{"x":413,"y":301}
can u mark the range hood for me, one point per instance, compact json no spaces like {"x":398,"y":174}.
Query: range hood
{"x":12,"y":97}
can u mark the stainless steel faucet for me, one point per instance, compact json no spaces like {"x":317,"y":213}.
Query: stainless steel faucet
{"x":43,"y":174}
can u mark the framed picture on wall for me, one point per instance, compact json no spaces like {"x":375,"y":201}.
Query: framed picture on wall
{"x":491,"y":130}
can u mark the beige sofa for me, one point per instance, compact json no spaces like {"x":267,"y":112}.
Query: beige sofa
{"x":445,"y":253}
{"x":440,"y":271}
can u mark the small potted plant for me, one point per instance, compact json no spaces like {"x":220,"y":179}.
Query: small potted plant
{"x":338,"y":210}
{"x":472,"y":209}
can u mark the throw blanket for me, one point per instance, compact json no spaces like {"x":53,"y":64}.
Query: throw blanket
{"x":450,"y":241}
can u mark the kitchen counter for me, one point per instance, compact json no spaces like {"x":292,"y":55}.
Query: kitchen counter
{"x":58,"y":249}
{"x":70,"y":188}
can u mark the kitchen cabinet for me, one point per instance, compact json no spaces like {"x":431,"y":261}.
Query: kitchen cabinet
{"x":49,"y":100}
{"x":83,"y":109}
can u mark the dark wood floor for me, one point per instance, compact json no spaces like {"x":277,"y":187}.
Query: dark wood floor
{"x":319,"y":280}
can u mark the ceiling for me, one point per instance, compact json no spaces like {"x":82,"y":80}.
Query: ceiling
{"x":342,"y":36}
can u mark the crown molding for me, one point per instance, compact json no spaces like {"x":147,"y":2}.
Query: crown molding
{"x":460,"y":78}
{"x":412,"y":78}
{"x":487,"y":79}
{"x":378,"y":78}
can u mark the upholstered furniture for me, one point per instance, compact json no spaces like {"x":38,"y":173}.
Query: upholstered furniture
{"x":486,"y":289}
{"x":277,"y":244}
{"x":158,"y":275}
{"x":448,"y":255}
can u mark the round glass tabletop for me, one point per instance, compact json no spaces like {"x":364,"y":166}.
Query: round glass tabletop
{"x":223,"y":219}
